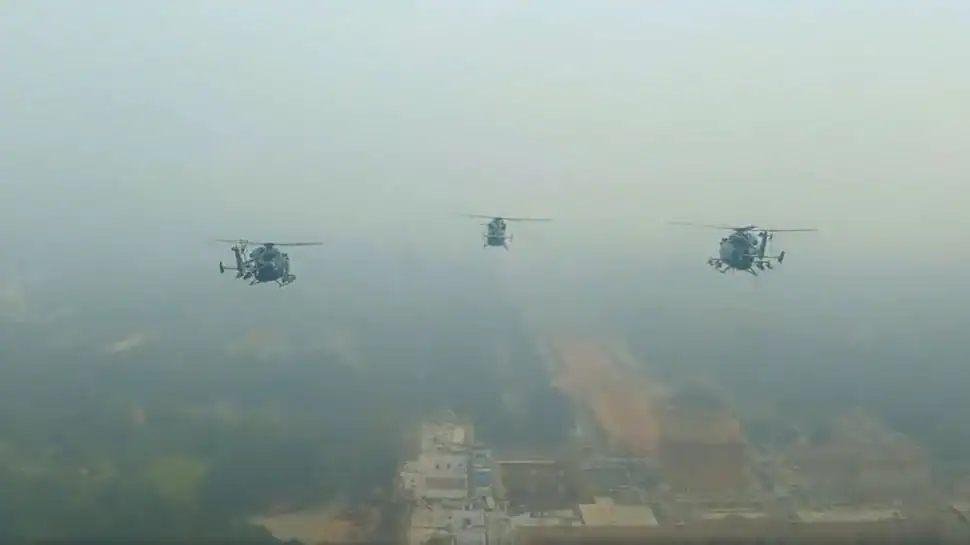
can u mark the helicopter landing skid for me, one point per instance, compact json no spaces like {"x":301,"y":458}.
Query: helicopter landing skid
{"x":505,"y":243}
{"x":718,"y":265}
{"x":286,"y":280}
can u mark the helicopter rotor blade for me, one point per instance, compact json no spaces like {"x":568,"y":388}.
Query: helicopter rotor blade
{"x":293,"y":243}
{"x":789,"y":230}
{"x":493,"y":218}
{"x":715,"y":226}
{"x":256,"y":243}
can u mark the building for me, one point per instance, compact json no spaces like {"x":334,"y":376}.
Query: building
{"x":482,"y":481}
{"x":410,"y":476}
{"x":481,"y":474}
{"x":604,"y":476}
{"x":604,"y":511}
{"x":445,"y":436}
{"x":604,"y":519}
{"x":441,"y":471}
{"x":596,"y":518}
{"x":440,"y":476}
{"x":687,"y":508}
{"x":439,"y":482}
{"x":846,"y":526}
{"x":538,"y":485}
{"x":466,"y":525}
{"x":470,"y":536}
{"x":557,"y":518}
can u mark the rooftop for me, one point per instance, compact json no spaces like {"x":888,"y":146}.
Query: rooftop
{"x":446,"y":519}
{"x":555,"y":518}
{"x":605,"y":512}
{"x":721,"y":515}
{"x":443,"y":435}
{"x":849,"y":515}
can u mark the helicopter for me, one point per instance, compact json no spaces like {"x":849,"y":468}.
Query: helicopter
{"x":745,"y":248}
{"x":496,"y":230}
{"x":264,"y":264}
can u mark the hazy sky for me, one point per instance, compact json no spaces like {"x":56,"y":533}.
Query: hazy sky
{"x":373,"y":124}
{"x":134,"y":132}
{"x":365,"y":120}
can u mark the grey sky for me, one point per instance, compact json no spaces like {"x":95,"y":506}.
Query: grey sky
{"x":355,"y":119}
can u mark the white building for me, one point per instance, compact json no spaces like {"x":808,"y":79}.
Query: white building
{"x":410,"y":476}
{"x":481,"y":472}
{"x":465,"y":525}
{"x":444,"y":475}
{"x":440,"y":480}
{"x":443,"y":463}
{"x":437,"y":476}
{"x":443,"y":437}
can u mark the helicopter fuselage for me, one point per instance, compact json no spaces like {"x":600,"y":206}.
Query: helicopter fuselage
{"x":496,"y":234}
{"x":745,"y":249}
{"x":269,"y":264}
{"x":268,"y":272}
{"x":496,"y":240}
{"x":738,"y":251}
{"x":264,"y":264}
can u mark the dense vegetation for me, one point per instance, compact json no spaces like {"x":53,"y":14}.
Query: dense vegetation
{"x":807,"y":376}
{"x":96,"y":448}
{"x":182,"y":440}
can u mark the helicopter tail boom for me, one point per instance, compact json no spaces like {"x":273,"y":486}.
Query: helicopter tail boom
{"x":237,"y":252}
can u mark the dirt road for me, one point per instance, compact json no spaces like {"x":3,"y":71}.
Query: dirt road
{"x":325,"y":524}
{"x":620,"y":397}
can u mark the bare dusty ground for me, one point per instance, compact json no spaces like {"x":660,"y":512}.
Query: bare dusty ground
{"x":621,"y":399}
{"x":325,"y":524}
